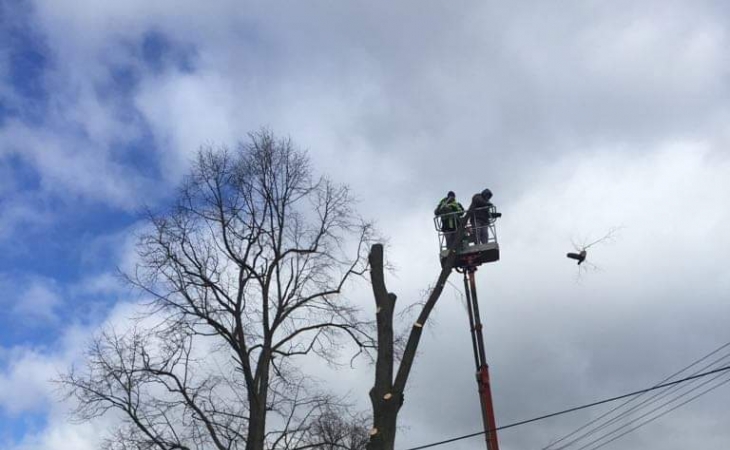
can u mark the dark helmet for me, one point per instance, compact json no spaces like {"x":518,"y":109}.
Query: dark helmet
{"x":451,"y":194}
{"x":487,"y":194}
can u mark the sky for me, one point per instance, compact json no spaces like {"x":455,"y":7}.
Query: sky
{"x":580,"y":116}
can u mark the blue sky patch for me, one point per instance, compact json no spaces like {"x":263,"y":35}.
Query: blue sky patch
{"x":28,"y":58}
{"x":14,"y":428}
{"x":159,"y":53}
{"x":4,"y":112}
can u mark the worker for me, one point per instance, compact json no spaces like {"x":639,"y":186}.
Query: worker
{"x":449,"y":211}
{"x":484,"y":213}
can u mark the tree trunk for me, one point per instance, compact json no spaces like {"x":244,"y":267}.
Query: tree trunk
{"x":386,"y":396}
{"x":385,"y":402}
{"x":256,"y":424}
{"x":382,"y":436}
{"x":258,"y":397}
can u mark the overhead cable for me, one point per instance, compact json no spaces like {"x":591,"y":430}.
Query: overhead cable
{"x":576,"y":408}
{"x":660,"y":395}
{"x":645,"y":403}
{"x":663,"y":413}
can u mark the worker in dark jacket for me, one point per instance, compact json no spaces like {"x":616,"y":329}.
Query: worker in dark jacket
{"x":449,"y":211}
{"x":484,"y":213}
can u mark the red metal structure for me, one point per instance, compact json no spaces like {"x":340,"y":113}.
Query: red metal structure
{"x":478,"y":246}
{"x":480,"y":360}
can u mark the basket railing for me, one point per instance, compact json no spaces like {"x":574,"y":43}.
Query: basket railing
{"x":480,"y":229}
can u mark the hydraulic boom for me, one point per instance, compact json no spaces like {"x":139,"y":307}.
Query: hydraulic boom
{"x":480,"y":359}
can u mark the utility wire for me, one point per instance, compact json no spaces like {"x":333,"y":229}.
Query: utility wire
{"x":644,"y":404}
{"x":656,"y":397}
{"x":576,"y":408}
{"x":663,"y":413}
{"x":634,"y":398}
{"x":645,"y":414}
{"x":650,"y":412}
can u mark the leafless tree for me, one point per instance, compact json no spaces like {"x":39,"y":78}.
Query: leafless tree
{"x":335,"y":429}
{"x":386,"y":396}
{"x":325,"y":423}
{"x":245,"y":274}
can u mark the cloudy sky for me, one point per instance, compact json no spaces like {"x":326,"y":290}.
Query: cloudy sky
{"x":579,"y":115}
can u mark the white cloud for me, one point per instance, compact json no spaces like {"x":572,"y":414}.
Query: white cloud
{"x":21,"y":212}
{"x":104,"y":283}
{"x":579,"y":118}
{"x":26,"y":386}
{"x":529,"y":74}
{"x":24,"y":381}
{"x":118,"y":248}
{"x":68,"y":169}
{"x":186,"y":111}
{"x":61,"y":436}
{"x":38,"y":303}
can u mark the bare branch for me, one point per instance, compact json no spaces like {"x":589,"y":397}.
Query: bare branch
{"x":245,"y":272}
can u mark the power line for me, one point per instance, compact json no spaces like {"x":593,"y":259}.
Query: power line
{"x":576,"y":408}
{"x":653,"y":399}
{"x":631,"y":400}
{"x":643,"y":405}
{"x":647,"y":413}
{"x":663,"y":413}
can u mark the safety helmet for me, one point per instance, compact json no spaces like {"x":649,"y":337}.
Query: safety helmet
{"x":487,"y":194}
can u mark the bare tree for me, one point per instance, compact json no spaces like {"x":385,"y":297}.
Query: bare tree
{"x":245,"y":275}
{"x":386,"y":396}
{"x":335,"y":429}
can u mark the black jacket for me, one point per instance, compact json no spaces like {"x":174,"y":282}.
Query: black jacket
{"x":482,"y":209}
